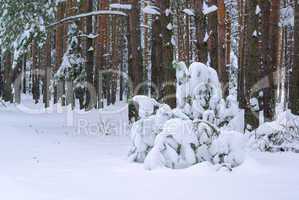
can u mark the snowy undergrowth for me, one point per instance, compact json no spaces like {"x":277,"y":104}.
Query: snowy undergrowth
{"x":279,"y":135}
{"x":203,"y":127}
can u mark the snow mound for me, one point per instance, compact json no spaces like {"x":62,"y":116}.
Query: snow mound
{"x":279,"y":135}
{"x":184,"y":143}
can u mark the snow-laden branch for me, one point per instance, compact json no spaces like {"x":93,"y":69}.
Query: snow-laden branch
{"x":94,"y":13}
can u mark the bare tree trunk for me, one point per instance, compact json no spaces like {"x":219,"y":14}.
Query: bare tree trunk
{"x":47,"y":75}
{"x":156,"y":59}
{"x":294,"y":82}
{"x":59,"y":51}
{"x":35,"y":73}
{"x":222,"y":69}
{"x":101,"y":50}
{"x":241,"y":51}
{"x":213,"y":39}
{"x":251,"y":67}
{"x":135,"y":54}
{"x":201,"y":30}
{"x":7,"y":75}
{"x":90,"y":96}
{"x":169,"y":84}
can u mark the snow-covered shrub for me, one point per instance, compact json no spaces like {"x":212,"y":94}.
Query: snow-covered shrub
{"x":183,"y":143}
{"x":228,"y":149}
{"x":199,"y":96}
{"x":279,"y":135}
{"x":174,"y":146}
{"x":144,"y":132}
{"x":196,"y":131}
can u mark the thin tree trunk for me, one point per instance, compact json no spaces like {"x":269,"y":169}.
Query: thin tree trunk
{"x":222,"y":69}
{"x":7,"y":91}
{"x":90,"y":96}
{"x":213,"y":39}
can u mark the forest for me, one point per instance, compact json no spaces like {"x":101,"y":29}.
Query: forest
{"x":192,"y":82}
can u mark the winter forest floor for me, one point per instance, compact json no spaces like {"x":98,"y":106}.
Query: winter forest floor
{"x":44,"y":158}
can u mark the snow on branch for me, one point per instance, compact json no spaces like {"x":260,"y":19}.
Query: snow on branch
{"x":188,"y":12}
{"x":151,"y":10}
{"x":94,"y":13}
{"x":209,"y":9}
{"x":121,"y":6}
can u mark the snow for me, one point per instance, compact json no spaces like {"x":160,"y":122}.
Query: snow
{"x":258,"y":10}
{"x":206,"y":38}
{"x":121,"y":6}
{"x":43,"y":159}
{"x":151,"y":10}
{"x":188,"y":12}
{"x":209,"y":9}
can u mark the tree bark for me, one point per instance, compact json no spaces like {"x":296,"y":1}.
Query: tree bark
{"x":213,"y":39}
{"x":169,"y":82}
{"x":294,"y":82}
{"x":135,"y":54}
{"x":222,"y":68}
{"x":251,"y":67}
{"x":201,"y":30}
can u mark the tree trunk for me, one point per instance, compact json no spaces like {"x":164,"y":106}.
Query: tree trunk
{"x":47,"y":75}
{"x":251,"y":67}
{"x":200,"y":24}
{"x":7,"y":90}
{"x":272,"y":61}
{"x":294,"y":82}
{"x":59,"y":51}
{"x":35,"y":73}
{"x":101,"y":50}
{"x":169,"y":81}
{"x":241,"y":54}
{"x":135,"y":54}
{"x":213,"y":39}
{"x":156,"y":59}
{"x":90,"y":96}
{"x":222,"y":68}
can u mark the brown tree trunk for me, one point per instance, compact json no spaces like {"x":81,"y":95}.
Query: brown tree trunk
{"x":135,"y":54}
{"x":156,"y":59}
{"x":294,"y":82}
{"x":241,"y":51}
{"x":7,"y":75}
{"x":201,"y":29}
{"x":101,"y":50}
{"x":90,"y":96}
{"x":59,"y":51}
{"x":35,"y":73}
{"x":169,"y":82}
{"x":213,"y":39}
{"x":251,"y":67}
{"x":274,"y":34}
{"x":222,"y":69}
{"x":47,"y":68}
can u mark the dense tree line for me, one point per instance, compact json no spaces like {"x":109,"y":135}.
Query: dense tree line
{"x":99,"y":52}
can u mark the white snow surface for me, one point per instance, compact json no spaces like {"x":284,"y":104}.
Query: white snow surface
{"x":41,"y":158}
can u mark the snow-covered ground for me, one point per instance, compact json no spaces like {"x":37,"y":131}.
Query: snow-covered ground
{"x":62,"y":156}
